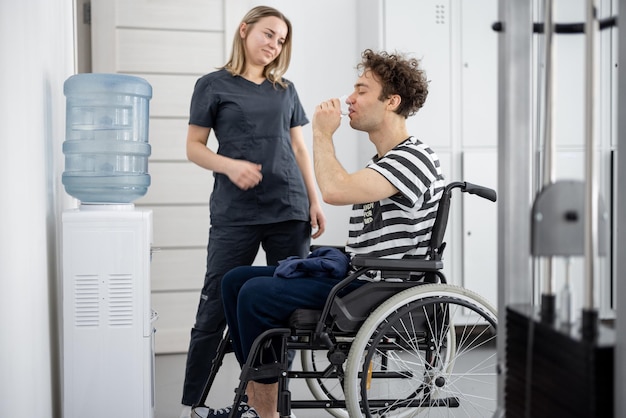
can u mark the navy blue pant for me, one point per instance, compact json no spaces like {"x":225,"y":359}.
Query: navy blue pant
{"x":255,"y":301}
{"x":230,"y":247}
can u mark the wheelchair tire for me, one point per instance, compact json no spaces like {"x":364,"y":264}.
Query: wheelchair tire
{"x":404,"y":359}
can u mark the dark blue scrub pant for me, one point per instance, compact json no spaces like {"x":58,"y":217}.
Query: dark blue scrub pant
{"x":255,"y":301}
{"x":230,"y":247}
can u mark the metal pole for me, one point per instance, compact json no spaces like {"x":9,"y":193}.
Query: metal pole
{"x":515,"y":186}
{"x":549,"y":171}
{"x":549,"y":147}
{"x":590,"y":315}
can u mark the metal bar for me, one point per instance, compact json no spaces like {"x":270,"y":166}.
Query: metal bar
{"x":590,"y":314}
{"x":549,"y":171}
{"x":566,"y":28}
{"x":620,"y":218}
{"x":591,"y":192}
{"x":549,"y":145}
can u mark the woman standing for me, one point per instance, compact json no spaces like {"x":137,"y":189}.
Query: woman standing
{"x":264,"y":190}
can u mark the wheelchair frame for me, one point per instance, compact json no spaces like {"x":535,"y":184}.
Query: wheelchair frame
{"x":372,"y":330}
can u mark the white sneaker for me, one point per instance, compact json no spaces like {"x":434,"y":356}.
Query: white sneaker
{"x":250,"y":413}
{"x":243,"y":411}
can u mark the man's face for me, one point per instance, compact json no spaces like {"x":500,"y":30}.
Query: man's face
{"x":366,"y":109}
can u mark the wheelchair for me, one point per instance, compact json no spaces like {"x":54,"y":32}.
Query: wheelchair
{"x":407,"y":345}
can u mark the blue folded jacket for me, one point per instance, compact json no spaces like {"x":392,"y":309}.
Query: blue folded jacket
{"x":322,"y":262}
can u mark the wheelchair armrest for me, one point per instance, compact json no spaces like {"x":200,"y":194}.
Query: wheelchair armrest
{"x":341,"y":248}
{"x":405,"y":264}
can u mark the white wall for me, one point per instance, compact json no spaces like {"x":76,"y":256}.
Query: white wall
{"x":36,"y":55}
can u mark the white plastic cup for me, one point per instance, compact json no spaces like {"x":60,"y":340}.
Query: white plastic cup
{"x":344,"y":106}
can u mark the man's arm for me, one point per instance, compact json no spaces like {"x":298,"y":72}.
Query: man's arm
{"x":318,"y":220}
{"x":338,"y":187}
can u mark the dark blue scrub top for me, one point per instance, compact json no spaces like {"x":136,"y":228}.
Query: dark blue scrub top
{"x":252,"y":122}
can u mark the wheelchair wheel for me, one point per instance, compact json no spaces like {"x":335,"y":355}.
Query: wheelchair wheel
{"x":327,"y":387}
{"x":427,"y":351}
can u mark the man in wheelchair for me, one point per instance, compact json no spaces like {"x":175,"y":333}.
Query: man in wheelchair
{"x":394,"y":204}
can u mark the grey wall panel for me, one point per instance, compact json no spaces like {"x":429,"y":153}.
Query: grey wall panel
{"x":201,"y":15}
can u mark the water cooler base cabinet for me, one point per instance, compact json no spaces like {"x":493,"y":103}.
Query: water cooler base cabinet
{"x":108,"y":334}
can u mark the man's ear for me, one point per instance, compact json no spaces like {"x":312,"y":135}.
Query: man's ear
{"x":394,"y":101}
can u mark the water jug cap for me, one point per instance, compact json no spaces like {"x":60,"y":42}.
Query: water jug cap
{"x":99,"y":83}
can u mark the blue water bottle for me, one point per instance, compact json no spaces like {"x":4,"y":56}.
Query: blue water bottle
{"x":106,"y":145}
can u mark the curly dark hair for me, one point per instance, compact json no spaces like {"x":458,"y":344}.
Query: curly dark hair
{"x":398,"y":75}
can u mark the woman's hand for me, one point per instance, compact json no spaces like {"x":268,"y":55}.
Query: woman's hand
{"x":244,"y":174}
{"x":318,"y":220}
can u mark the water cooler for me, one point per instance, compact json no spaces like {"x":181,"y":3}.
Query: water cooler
{"x":108,"y":323}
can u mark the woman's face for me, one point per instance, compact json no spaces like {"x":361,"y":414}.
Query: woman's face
{"x":263,"y":41}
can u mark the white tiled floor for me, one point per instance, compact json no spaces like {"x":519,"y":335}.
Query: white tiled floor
{"x":169,"y":382}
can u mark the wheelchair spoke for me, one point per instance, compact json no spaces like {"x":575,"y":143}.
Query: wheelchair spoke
{"x":433,"y":357}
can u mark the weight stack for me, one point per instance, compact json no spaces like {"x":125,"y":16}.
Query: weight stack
{"x":555,"y":373}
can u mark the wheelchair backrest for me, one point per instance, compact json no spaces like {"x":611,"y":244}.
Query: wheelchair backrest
{"x":441,"y":221}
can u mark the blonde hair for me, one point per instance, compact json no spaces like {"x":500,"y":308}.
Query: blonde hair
{"x":274,"y":70}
